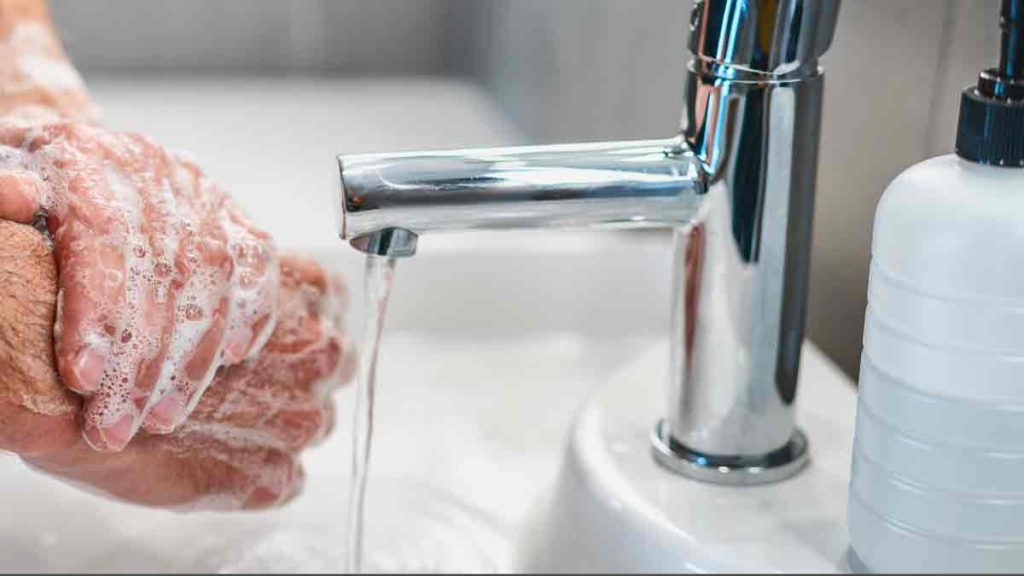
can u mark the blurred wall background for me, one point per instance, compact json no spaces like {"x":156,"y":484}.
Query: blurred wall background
{"x":589,"y":70}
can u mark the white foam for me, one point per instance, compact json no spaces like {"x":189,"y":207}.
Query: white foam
{"x":54,"y":73}
{"x":41,"y":60}
{"x":32,"y":37}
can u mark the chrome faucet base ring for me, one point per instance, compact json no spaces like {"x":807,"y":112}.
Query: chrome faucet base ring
{"x":731,"y":470}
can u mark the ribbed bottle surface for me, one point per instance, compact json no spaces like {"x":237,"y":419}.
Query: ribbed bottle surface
{"x":937,"y":483}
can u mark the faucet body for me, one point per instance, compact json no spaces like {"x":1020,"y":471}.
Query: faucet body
{"x":737,"y":187}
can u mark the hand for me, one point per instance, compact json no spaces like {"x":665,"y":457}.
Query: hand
{"x":240,"y":446}
{"x":162,"y":280}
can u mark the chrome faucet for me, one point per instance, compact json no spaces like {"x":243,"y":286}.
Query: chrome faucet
{"x":737,"y":186}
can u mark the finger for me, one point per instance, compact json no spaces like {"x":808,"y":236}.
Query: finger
{"x":189,"y":469}
{"x":202,"y":364}
{"x":280,"y":397}
{"x":310,"y":337}
{"x":153,"y":341}
{"x":197,"y":337}
{"x":110,"y":421}
{"x":254,"y":287}
{"x":91,"y":229}
{"x":300,"y":324}
{"x":251,"y":396}
{"x":152,"y":262}
{"x":132,"y":364}
{"x":203,"y":268}
{"x":154,"y":399}
{"x":90,"y":305}
{"x":280,"y":479}
{"x":298,"y":270}
{"x":20,"y":195}
{"x":281,"y":393}
{"x":324,"y":308}
{"x":330,"y":421}
{"x":253,"y":474}
{"x":285,"y":395}
{"x":295,"y":428}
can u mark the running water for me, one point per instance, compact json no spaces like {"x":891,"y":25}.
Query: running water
{"x":380,"y":273}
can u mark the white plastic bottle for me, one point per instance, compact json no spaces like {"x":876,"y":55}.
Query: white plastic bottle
{"x":938,"y":467}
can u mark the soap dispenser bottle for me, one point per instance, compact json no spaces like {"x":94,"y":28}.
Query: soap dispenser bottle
{"x":937,"y":483}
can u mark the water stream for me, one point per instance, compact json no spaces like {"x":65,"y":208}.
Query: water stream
{"x":379,"y":276}
{"x":424,"y":527}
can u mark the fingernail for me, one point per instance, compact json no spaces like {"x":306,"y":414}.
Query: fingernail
{"x":165,"y":415}
{"x":111,"y":438}
{"x":87,"y":370}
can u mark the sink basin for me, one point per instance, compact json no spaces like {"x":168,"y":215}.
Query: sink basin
{"x":484,"y":459}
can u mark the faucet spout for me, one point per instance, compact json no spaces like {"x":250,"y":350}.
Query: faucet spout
{"x":387,"y":199}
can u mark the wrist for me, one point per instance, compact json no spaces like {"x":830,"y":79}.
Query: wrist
{"x":39,"y":82}
{"x":14,"y":12}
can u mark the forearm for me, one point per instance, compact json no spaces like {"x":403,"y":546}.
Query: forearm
{"x":37,"y":80}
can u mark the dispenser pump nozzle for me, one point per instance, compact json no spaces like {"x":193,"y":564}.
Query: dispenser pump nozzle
{"x":1011,"y":52}
{"x":991,"y":127}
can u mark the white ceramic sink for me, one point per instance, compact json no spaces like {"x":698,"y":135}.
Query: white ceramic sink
{"x":520,"y":376}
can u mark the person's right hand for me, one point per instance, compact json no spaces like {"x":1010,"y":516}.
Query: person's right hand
{"x":240,"y":446}
{"x":162,"y":280}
